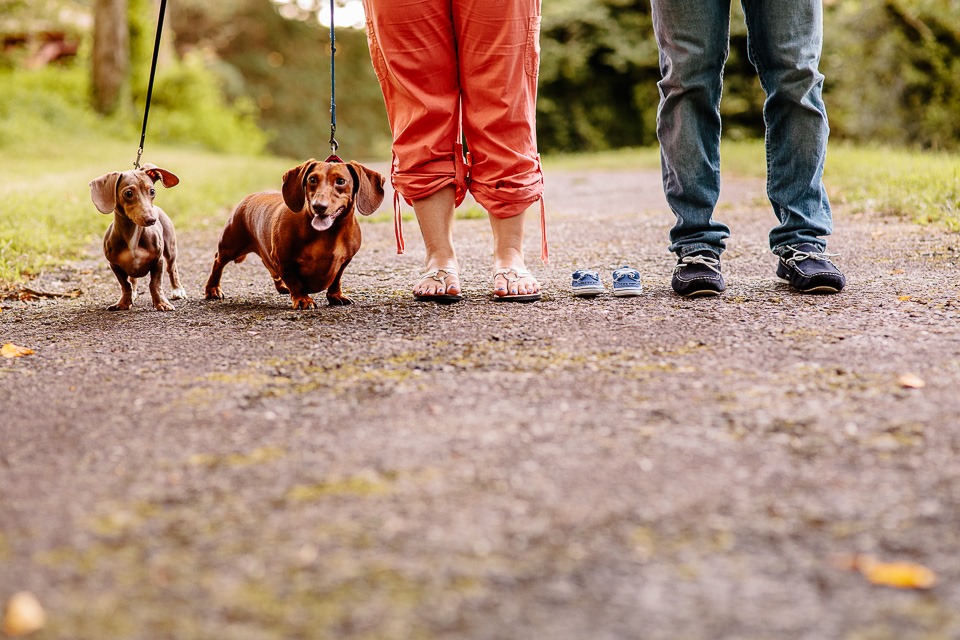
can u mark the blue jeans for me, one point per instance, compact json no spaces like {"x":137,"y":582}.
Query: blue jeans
{"x":784,"y":38}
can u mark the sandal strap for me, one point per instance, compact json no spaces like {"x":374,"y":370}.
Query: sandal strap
{"x":505,"y":273}
{"x":435,"y":275}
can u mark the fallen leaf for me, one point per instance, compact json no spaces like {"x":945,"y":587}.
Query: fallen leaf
{"x":900,"y":575}
{"x":11,"y":350}
{"x":911,"y":381}
{"x":26,"y":294}
{"x":904,"y":298}
{"x":24,"y":615}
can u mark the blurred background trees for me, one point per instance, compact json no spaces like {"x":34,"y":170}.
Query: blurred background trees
{"x":254,"y":74}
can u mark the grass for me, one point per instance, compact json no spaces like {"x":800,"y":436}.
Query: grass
{"x":46,"y":217}
{"x":921,"y":186}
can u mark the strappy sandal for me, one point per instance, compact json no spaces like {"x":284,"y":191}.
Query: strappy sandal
{"x":441,"y":298}
{"x":515,"y":297}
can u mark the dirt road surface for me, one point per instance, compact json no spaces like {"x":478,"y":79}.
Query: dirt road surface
{"x":569,"y":470}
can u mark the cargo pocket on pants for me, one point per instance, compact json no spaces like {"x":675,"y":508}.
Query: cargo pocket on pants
{"x":376,"y":55}
{"x":531,"y":54}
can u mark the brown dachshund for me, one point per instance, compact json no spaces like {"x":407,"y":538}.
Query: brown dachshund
{"x":135,"y":244}
{"x":305,"y":234}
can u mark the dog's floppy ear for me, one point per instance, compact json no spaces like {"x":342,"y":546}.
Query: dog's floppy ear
{"x":103,"y":191}
{"x":368,"y":188}
{"x":293,"y":188}
{"x":165,"y":177}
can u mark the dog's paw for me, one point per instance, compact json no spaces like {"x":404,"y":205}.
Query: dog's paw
{"x":163,"y":305}
{"x":122,"y":305}
{"x":304,"y":302}
{"x":338,"y":301}
{"x":213,"y":293}
{"x":178,"y":294}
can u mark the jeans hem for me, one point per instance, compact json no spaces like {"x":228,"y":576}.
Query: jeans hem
{"x":683,"y":251}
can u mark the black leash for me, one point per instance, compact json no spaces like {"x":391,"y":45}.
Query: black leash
{"x":153,"y":72}
{"x":334,"y":145}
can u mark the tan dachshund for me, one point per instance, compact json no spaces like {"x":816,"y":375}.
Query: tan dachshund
{"x":141,"y":235}
{"x":305,"y":234}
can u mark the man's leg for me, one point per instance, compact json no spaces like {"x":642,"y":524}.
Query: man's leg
{"x":693,"y":37}
{"x":785,"y":38}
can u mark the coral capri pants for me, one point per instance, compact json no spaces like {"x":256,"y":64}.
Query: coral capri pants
{"x":452,"y":68}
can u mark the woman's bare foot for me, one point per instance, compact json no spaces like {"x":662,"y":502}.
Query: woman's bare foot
{"x":511,"y":277}
{"x":435,"y":216}
{"x":441,"y":285}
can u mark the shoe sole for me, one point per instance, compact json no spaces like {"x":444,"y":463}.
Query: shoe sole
{"x":441,"y":299}
{"x":585,"y":293}
{"x":628,"y":293}
{"x":820,"y":289}
{"x":530,"y":297}
{"x":705,"y":293}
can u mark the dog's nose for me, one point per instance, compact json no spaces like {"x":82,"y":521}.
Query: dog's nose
{"x":320,"y":208}
{"x":149,"y":222}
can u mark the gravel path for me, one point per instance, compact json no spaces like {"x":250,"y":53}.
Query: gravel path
{"x":574,"y":469}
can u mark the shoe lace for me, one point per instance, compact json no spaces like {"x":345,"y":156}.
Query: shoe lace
{"x":580,"y":276}
{"x":800,"y":256}
{"x":707,"y":261}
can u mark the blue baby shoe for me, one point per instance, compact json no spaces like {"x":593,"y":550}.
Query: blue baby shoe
{"x":626,"y":282}
{"x":586,"y":283}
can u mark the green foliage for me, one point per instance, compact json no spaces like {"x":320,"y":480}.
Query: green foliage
{"x":598,"y":74}
{"x":37,"y":107}
{"x":189,"y":107}
{"x":284,"y":67}
{"x":893,"y":71}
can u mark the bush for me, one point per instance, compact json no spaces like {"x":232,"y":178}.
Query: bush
{"x":189,"y":108}
{"x":36,"y":107}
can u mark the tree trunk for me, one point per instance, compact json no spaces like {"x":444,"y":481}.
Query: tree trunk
{"x":111,"y":56}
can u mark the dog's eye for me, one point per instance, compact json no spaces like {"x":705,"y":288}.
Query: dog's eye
{"x":128,"y":193}
{"x":153,"y":192}
{"x":312,"y":180}
{"x":341,"y":182}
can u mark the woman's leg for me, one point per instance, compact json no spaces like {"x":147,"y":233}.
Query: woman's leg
{"x":508,"y":254}
{"x":435,"y":216}
{"x":499,"y":59}
{"x":413,"y":49}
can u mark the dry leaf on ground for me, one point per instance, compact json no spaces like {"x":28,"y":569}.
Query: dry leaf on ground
{"x":24,"y":615}
{"x":900,"y":575}
{"x":26,"y":294}
{"x":11,"y":350}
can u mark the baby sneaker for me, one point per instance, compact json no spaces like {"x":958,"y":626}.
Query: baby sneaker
{"x":626,"y":282}
{"x":586,"y":284}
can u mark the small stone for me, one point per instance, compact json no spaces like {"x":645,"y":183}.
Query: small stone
{"x":911,"y":381}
